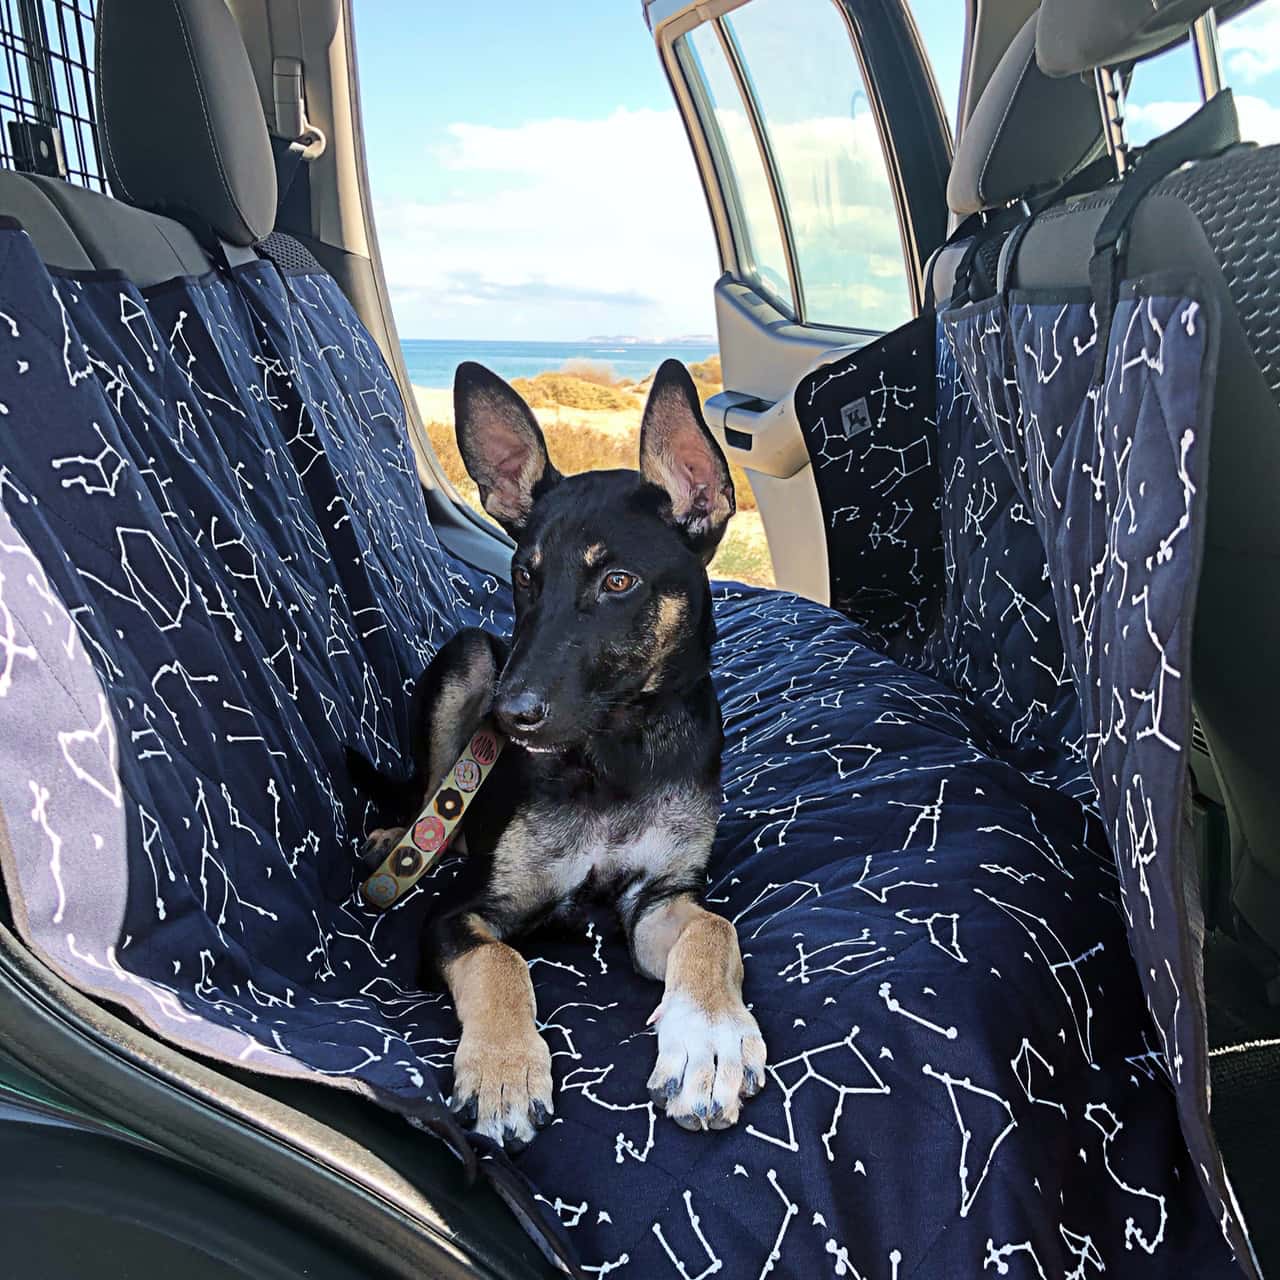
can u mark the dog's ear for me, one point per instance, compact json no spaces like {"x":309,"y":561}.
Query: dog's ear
{"x":501,"y":445}
{"x":680,"y":456}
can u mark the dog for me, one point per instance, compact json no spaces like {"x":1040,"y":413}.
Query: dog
{"x":609,"y":786}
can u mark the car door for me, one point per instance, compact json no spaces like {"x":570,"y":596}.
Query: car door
{"x":823,"y":149}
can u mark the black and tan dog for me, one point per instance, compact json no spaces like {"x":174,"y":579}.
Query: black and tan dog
{"x":609,"y":787}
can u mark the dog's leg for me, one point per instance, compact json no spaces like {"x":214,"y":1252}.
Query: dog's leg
{"x":451,"y":699}
{"x":710,"y":1051}
{"x":502,"y":1067}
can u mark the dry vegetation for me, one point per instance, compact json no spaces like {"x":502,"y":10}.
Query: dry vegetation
{"x":549,"y":390}
{"x":591,"y":421}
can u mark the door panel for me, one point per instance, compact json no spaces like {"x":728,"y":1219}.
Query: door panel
{"x":823,"y":151}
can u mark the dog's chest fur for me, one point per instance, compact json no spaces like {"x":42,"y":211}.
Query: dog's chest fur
{"x":555,"y":853}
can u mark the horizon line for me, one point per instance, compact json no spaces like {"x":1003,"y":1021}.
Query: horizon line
{"x":690,"y":340}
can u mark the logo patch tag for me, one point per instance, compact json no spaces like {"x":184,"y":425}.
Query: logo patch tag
{"x":855,"y":418}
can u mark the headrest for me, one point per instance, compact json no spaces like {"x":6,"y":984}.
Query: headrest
{"x":181,"y":117}
{"x":1028,"y":133}
{"x":1079,"y":35}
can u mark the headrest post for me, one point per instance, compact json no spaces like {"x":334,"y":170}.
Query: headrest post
{"x":1204,"y":36}
{"x":1111,"y":104}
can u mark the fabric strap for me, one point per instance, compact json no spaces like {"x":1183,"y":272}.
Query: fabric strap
{"x":1092,"y":177}
{"x":1212,"y":129}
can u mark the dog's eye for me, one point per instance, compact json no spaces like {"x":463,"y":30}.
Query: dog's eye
{"x":617,"y":582}
{"x":522,"y":577}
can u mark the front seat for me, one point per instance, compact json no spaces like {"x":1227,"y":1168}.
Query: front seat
{"x":1215,"y":220}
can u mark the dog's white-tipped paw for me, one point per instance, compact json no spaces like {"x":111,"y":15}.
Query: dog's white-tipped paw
{"x":502,"y":1087}
{"x":707,"y":1063}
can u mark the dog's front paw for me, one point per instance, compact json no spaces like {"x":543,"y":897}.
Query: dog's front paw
{"x":707,"y":1062}
{"x":502,"y":1085}
{"x":377,"y":844}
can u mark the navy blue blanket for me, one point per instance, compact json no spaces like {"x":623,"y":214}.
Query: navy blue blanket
{"x":216,"y":572}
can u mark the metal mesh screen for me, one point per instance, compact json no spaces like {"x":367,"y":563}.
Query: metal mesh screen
{"x":48,"y":122}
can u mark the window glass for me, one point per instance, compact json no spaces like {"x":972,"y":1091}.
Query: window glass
{"x":1166,"y":89}
{"x":800,"y":63}
{"x":941,"y":27}
{"x":1251,"y":66}
{"x":762,"y":257}
{"x":47,"y":74}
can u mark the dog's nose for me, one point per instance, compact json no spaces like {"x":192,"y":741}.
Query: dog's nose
{"x":522,"y":712}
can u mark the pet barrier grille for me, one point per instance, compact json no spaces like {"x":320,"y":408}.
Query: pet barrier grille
{"x":48,"y":119}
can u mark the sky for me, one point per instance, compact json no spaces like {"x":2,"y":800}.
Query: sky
{"x":532,"y":179}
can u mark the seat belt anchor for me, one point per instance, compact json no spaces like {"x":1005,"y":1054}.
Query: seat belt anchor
{"x":309,"y":140}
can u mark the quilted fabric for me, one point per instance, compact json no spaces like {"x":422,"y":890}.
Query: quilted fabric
{"x":1116,"y":477}
{"x":933,"y":548}
{"x":1236,"y":198}
{"x":216,"y":571}
{"x":997,"y":638}
{"x":868,"y":425}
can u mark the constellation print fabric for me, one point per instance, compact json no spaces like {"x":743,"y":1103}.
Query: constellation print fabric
{"x":216,"y":572}
{"x":869,"y":425}
{"x":1115,"y":477}
{"x":997,"y":639}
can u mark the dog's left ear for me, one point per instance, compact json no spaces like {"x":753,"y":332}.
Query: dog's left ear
{"x":680,"y":456}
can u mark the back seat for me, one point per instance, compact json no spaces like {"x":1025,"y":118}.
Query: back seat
{"x":962,"y":1065}
{"x":75,"y":229}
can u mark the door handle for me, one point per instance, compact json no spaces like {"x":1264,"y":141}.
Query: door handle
{"x":763,"y":436}
{"x":757,"y":435}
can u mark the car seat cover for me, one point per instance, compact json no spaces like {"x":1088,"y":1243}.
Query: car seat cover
{"x":215,"y":481}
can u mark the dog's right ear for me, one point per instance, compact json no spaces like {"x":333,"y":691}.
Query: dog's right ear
{"x":501,"y":445}
{"x":681,"y":457}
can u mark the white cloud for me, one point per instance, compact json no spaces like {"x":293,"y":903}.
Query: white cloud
{"x":1251,"y":44}
{"x":559,"y":228}
{"x":1259,"y":119}
{"x":1148,"y":120}
{"x":555,"y":229}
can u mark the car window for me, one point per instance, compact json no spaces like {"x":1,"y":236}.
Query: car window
{"x":1166,"y":89}
{"x":762,"y":257}
{"x":47,"y":115}
{"x":799,"y":67}
{"x":941,"y":25}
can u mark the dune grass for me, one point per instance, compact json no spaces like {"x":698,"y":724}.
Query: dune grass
{"x":578,"y":445}
{"x":546,"y":390}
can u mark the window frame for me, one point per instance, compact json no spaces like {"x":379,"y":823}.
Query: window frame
{"x":719,"y":164}
{"x":905,"y":104}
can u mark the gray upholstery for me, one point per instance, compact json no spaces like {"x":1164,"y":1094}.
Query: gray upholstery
{"x":1079,"y":35}
{"x":181,"y":119}
{"x":54,"y":237}
{"x":1216,"y":221}
{"x":1007,"y":151}
{"x":147,"y":247}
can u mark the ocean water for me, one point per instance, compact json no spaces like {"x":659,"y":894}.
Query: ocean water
{"x":431,"y":362}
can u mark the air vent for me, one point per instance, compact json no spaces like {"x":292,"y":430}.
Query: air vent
{"x":1198,"y":741}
